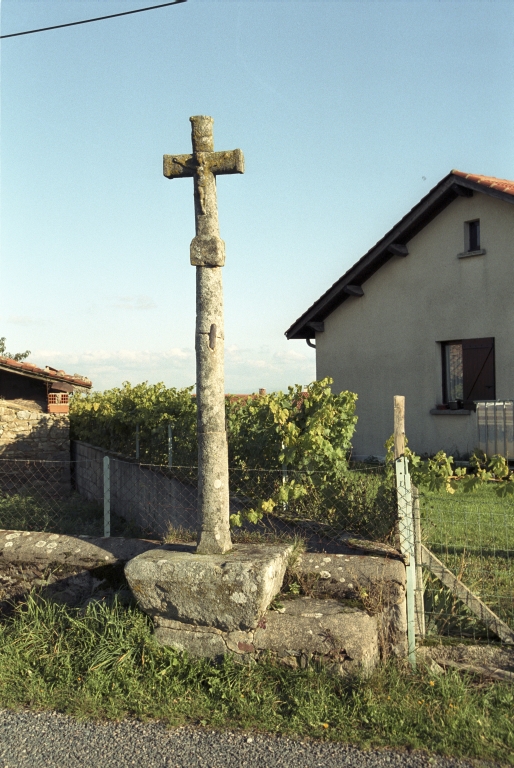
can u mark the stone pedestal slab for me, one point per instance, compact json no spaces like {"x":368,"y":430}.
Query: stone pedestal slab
{"x":347,"y":639}
{"x":227,"y":592}
{"x":377,"y":581}
{"x":324,"y":629}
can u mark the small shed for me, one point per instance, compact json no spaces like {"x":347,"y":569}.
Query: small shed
{"x":34,"y":408}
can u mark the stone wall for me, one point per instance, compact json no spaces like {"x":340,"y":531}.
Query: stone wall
{"x":29,"y":433}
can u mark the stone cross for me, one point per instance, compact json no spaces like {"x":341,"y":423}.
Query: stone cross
{"x":208,"y":256}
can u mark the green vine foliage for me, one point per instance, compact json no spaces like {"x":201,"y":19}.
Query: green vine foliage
{"x":309,"y":432}
{"x":109,"y":420}
{"x":440,"y":473}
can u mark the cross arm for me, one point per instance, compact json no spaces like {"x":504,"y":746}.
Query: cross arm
{"x":227,"y":162}
{"x":177,"y":166}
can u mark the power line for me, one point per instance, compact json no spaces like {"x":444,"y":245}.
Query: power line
{"x":98,"y":18}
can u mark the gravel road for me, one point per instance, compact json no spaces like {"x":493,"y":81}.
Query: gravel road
{"x":51,"y":740}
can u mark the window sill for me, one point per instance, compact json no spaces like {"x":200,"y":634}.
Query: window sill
{"x":469,"y":254}
{"x":449,"y":412}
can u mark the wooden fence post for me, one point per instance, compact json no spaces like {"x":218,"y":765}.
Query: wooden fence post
{"x":399,"y":426}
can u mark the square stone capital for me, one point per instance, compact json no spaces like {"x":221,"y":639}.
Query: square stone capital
{"x":207,"y":252}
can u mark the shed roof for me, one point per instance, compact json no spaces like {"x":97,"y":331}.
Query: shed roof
{"x":47,"y":374}
{"x":455,"y":184}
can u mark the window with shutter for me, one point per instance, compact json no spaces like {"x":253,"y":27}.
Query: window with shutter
{"x":478,"y":369}
{"x":473,"y":235}
{"x":468,"y":371}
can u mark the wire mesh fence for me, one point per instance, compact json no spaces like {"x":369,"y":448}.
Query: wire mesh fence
{"x":161,"y":501}
{"x":464,"y":547}
{"x":74,"y":497}
{"x":472,"y":537}
{"x":458,"y":551}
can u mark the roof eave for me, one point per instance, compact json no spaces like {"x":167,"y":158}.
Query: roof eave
{"x":40,"y":375}
{"x":413,"y":222}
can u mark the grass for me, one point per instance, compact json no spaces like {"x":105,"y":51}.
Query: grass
{"x":104,"y":663}
{"x":69,"y":514}
{"x":480,"y":521}
{"x":473,"y":534}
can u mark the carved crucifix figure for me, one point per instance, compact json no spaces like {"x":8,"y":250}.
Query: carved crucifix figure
{"x":208,"y":256}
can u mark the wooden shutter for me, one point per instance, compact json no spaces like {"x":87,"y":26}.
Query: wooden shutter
{"x":478,"y":365}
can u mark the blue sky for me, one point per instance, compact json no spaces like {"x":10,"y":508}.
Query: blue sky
{"x":347,"y":113}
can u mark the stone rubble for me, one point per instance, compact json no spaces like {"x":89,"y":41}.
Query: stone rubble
{"x":72,"y":586}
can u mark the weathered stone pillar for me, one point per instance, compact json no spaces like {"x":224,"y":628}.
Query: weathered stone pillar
{"x":213,"y":495}
{"x":208,"y":255}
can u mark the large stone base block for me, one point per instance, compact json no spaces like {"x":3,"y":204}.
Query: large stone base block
{"x":228,"y":592}
{"x":345,"y":639}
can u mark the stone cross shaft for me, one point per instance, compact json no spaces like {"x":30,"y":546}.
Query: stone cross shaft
{"x":208,"y":256}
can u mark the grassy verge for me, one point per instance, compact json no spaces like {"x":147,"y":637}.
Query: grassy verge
{"x":481,"y":520}
{"x":473,"y":534}
{"x":71,"y":514}
{"x":104,"y":663}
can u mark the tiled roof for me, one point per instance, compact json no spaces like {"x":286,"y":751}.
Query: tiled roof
{"x":48,"y":373}
{"x":504,"y":185}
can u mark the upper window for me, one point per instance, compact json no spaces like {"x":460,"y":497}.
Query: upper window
{"x":473,"y":235}
{"x":468,"y":370}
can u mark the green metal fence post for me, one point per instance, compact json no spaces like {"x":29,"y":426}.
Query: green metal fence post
{"x":406,"y":534}
{"x":419,"y":601}
{"x":170,"y":446}
{"x":284,"y":477}
{"x":107,"y":496}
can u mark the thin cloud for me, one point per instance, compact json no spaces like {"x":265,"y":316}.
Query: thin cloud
{"x":246,"y":370}
{"x":135,"y":303}
{"x":23,"y":320}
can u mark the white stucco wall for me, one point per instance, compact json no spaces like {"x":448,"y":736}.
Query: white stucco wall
{"x":386,"y":343}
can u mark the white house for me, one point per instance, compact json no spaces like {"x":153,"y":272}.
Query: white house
{"x":427,"y":313}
